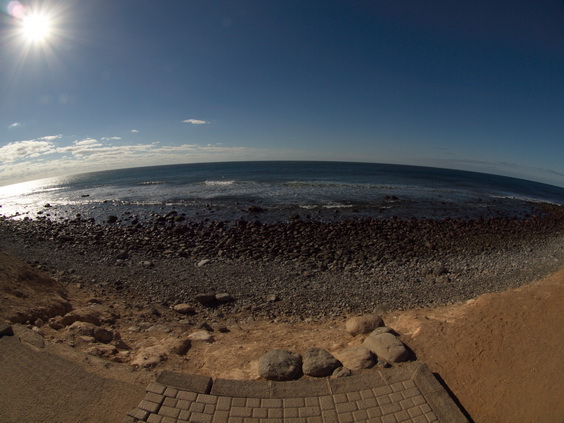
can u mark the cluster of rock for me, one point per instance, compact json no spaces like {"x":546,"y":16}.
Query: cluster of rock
{"x":318,"y":245}
{"x":380,"y":346}
{"x":293,"y":271}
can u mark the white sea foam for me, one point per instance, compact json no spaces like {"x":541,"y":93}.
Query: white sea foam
{"x":220,"y":183}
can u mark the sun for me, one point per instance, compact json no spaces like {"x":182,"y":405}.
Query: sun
{"x":36,"y":27}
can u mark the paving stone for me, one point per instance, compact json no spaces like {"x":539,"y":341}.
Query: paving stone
{"x":356,"y":383}
{"x":253,"y":402}
{"x":346,"y":407}
{"x":154,"y":418}
{"x":223,"y":404}
{"x":151,"y":407}
{"x":187,"y":396}
{"x":260,"y":413}
{"x":169,"y":412}
{"x":309,"y":411}
{"x":171,"y":392}
{"x":290,"y":412}
{"x":402,"y":416}
{"x":151,"y":396}
{"x":271,"y":403}
{"x":360,"y":415}
{"x":329,"y":416}
{"x":197,"y":407}
{"x":156,"y":388}
{"x":207,"y":399}
{"x":275,"y":413}
{"x":200,"y":418}
{"x":326,"y":402}
{"x":183,"y":405}
{"x":407,"y":393}
{"x":253,"y":389}
{"x":170,"y":402}
{"x":138,"y":413}
{"x":299,"y":388}
{"x":194,"y":383}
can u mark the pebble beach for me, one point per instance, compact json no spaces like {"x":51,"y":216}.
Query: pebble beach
{"x":296,"y":270}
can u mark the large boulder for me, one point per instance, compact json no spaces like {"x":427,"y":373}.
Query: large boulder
{"x":360,"y":325}
{"x":356,"y":358}
{"x":319,"y":363}
{"x":387,"y":347}
{"x":280,"y":365}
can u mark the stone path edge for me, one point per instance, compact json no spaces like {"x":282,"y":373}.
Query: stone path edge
{"x":434,"y":393}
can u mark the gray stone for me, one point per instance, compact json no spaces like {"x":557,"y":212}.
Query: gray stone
{"x":359,"y":325}
{"x":319,"y":363}
{"x":203,"y":262}
{"x":184,"y":309}
{"x":123,"y":255}
{"x":356,"y":358}
{"x":341,"y":372}
{"x":439,"y":270}
{"x":6,"y":330}
{"x":28,"y":336}
{"x":387,"y":347}
{"x":205,"y":298}
{"x":280,"y":365}
{"x":104,"y":335}
{"x":223,"y":297}
{"x":382,"y":329}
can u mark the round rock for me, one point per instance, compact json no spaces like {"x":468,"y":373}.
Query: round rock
{"x":357,"y":358}
{"x":319,"y":363}
{"x":387,"y":347}
{"x":360,"y":325}
{"x":205,"y":298}
{"x":184,"y":309}
{"x":280,"y":365}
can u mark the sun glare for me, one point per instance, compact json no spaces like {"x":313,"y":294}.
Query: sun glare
{"x":36,"y":27}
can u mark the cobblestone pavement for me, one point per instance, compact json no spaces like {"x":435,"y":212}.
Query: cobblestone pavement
{"x":407,"y":393}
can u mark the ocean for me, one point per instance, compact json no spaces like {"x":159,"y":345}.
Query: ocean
{"x":276,"y":191}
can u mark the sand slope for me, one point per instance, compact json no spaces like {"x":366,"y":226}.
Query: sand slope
{"x":502,"y":354}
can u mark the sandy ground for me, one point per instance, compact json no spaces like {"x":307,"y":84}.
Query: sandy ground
{"x":500,"y":354}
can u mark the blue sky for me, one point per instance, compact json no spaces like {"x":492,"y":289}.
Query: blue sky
{"x":474,"y":85}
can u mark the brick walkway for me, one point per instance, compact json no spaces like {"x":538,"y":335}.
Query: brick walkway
{"x":407,"y":393}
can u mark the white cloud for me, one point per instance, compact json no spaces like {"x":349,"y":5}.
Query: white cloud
{"x":51,"y":137}
{"x":134,"y":131}
{"x":195,"y":121}
{"x":15,"y":125}
{"x":111,"y":138}
{"x":89,"y":142}
{"x":24,"y":149}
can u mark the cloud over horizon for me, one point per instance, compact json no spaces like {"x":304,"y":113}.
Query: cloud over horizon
{"x":196,"y":121}
{"x":44,"y":156}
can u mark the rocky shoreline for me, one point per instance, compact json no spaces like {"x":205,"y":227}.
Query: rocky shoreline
{"x":293,"y":271}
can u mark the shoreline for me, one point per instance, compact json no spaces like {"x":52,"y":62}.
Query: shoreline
{"x":296,"y":271}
